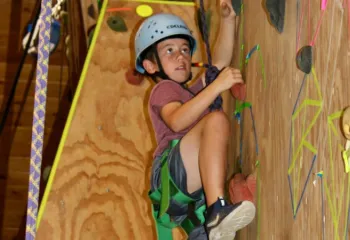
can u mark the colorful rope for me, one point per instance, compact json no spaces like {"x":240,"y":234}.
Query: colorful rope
{"x":38,"y":118}
{"x":212,"y":71}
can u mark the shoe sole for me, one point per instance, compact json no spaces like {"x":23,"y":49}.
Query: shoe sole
{"x":236,"y":220}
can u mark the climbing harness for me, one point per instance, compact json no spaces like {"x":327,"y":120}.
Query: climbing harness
{"x":162,"y":197}
{"x":38,"y":119}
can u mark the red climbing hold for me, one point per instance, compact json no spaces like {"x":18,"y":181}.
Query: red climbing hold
{"x":242,"y":188}
{"x":133,"y":77}
{"x":238,"y":91}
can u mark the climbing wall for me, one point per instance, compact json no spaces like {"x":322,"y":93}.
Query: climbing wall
{"x":99,"y":183}
{"x":289,"y":127}
{"x":303,"y":190}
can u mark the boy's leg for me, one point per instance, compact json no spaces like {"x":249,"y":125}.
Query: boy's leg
{"x":204,"y":155}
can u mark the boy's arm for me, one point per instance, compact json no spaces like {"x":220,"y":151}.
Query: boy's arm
{"x":180,"y":116}
{"x":223,"y":50}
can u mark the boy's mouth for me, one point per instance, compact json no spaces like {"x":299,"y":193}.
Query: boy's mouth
{"x":181,"y":68}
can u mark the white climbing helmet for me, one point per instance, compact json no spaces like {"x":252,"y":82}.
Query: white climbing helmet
{"x":158,"y":27}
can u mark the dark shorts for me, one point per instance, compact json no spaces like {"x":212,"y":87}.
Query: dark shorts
{"x":178,"y":174}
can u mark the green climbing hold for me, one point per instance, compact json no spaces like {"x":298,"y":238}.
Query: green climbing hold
{"x":236,"y":5}
{"x":304,"y":59}
{"x":117,"y":23}
{"x":99,"y":4}
{"x":207,"y":18}
{"x":240,"y":107}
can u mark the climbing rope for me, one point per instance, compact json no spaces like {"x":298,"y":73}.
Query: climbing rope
{"x":212,"y":71}
{"x":38,"y":118}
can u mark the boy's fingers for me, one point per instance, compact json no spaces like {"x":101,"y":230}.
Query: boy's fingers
{"x":238,"y":80}
{"x":237,"y":75}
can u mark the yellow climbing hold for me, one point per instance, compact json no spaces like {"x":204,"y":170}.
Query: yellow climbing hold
{"x":144,"y":10}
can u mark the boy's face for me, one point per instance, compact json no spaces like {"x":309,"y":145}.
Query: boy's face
{"x":175,"y":57}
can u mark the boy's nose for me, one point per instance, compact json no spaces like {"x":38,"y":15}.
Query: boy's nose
{"x":180,"y":56}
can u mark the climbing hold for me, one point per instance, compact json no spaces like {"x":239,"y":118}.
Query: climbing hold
{"x":238,"y":91}
{"x":236,"y":5}
{"x":304,"y":59}
{"x":99,"y":4}
{"x":239,"y":109}
{"x":199,"y":20}
{"x":133,"y":77}
{"x":276,"y":9}
{"x":46,"y":173}
{"x":144,"y":10}
{"x":319,"y":174}
{"x":117,"y":23}
{"x":91,"y":11}
{"x":346,"y":123}
{"x":90,"y":34}
{"x":241,"y":188}
{"x":250,"y":53}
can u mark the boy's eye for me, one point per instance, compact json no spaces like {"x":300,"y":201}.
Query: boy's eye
{"x":186,"y":50}
{"x":169,"y":50}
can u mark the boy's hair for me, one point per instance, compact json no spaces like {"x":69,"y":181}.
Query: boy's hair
{"x":149,"y":54}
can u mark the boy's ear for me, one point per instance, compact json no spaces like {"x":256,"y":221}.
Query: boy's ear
{"x":149,"y":66}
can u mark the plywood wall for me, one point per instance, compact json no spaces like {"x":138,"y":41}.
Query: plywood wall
{"x":326,"y":91}
{"x":102,"y":178}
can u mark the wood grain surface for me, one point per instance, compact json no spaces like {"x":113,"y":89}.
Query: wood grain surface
{"x":280,"y":215}
{"x":100,"y":187}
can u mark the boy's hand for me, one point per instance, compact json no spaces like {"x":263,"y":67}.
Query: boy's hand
{"x":227,"y":9}
{"x":228,"y":77}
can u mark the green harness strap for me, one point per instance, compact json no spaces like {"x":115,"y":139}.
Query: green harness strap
{"x":162,"y":197}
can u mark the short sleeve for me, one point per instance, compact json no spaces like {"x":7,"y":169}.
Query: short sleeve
{"x":197,"y":86}
{"x":164,"y":93}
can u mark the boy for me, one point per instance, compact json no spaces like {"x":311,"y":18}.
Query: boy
{"x":164,"y":47}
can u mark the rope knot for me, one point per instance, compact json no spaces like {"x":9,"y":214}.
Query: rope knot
{"x":210,"y":75}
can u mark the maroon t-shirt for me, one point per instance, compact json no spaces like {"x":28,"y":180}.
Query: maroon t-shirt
{"x":164,"y":92}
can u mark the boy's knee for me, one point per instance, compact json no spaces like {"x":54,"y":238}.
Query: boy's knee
{"x":219,"y":119}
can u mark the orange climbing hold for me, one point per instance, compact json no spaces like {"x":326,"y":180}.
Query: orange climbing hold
{"x":238,"y":91}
